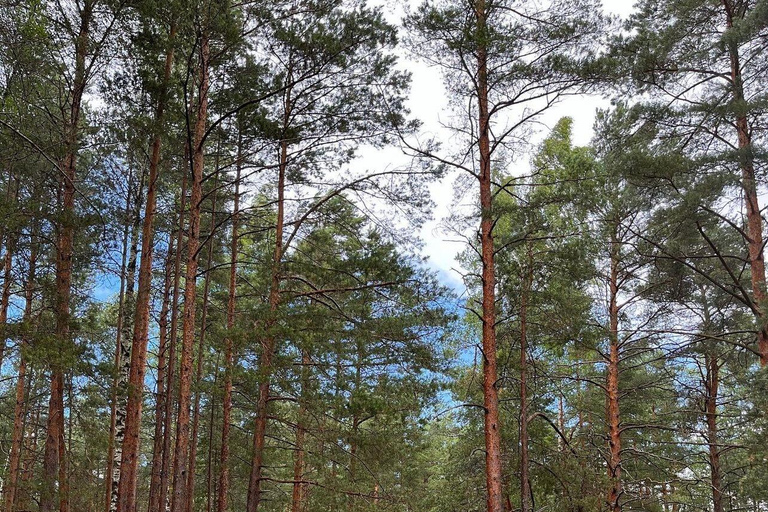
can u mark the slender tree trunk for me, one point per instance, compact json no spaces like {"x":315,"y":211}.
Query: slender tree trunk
{"x":201,"y":356}
{"x":268,"y":344}
{"x":612,"y":383}
{"x":181,"y":453}
{"x":124,"y":349}
{"x":162,"y":497}
{"x":130,"y":447}
{"x":162,"y":369}
{"x":525,"y":483}
{"x":749,"y":185}
{"x":5,"y":297}
{"x":31,"y":448}
{"x":209,"y":470}
{"x":55,"y":486}
{"x":118,"y":351}
{"x":297,"y":496}
{"x":228,"y":348}
{"x":712,"y":377}
{"x":495,"y":499}
{"x":19,"y":410}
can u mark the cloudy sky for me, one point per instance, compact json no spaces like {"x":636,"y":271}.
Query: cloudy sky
{"x":428,"y":104}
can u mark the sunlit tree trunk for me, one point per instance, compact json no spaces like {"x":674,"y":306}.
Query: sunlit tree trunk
{"x":492,"y":432}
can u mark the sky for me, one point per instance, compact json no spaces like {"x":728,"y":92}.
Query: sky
{"x":427,"y":102}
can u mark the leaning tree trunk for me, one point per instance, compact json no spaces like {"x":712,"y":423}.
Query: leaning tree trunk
{"x":181,"y":451}
{"x":492,"y":432}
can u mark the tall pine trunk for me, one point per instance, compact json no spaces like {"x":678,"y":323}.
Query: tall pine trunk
{"x":492,"y":432}
{"x":19,"y":410}
{"x":754,"y":232}
{"x":711,"y":385}
{"x":612,"y":381}
{"x":201,"y":356}
{"x":298,"y":494}
{"x":55,"y":486}
{"x":181,"y":450}
{"x":525,"y":482}
{"x":162,"y":372}
{"x":126,"y":501}
{"x":10,"y":249}
{"x":123,"y":350}
{"x":228,"y":345}
{"x":118,"y":351}
{"x":268,"y":344}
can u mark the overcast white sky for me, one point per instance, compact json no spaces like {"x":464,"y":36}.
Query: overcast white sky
{"x":428,"y":103}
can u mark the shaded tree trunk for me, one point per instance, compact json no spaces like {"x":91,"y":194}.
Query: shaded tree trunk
{"x":228,"y":348}
{"x":525,"y":483}
{"x":55,"y":486}
{"x":297,"y":496}
{"x":711,"y":386}
{"x":124,"y":353}
{"x":161,"y":395}
{"x":10,"y":249}
{"x":19,"y":410}
{"x":162,"y":495}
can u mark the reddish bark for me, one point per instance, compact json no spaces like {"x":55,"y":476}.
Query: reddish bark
{"x":228,"y":350}
{"x":19,"y":411}
{"x":754,"y":232}
{"x":525,"y":483}
{"x":55,"y":486}
{"x":612,"y":383}
{"x":181,"y":451}
{"x":131,"y":441}
{"x":201,"y":358}
{"x":711,"y":386}
{"x":269,"y":342}
{"x":492,"y":432}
